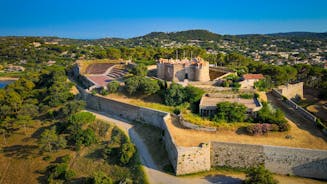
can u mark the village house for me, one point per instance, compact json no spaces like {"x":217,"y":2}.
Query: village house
{"x":249,"y":80}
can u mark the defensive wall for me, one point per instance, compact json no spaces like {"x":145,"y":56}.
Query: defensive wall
{"x":296,"y":107}
{"x":186,"y":160}
{"x":291,"y":90}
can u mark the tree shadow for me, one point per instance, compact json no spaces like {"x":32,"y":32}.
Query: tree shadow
{"x":96,"y":154}
{"x":222,"y":179}
{"x":39,"y":131}
{"x":241,"y":131}
{"x":20,"y":151}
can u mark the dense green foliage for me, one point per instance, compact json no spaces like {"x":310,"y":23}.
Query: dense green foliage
{"x":272,"y":116}
{"x":140,"y":70}
{"x":259,"y":175}
{"x":120,"y":150}
{"x":230,"y":112}
{"x":60,"y":172}
{"x":50,"y":141}
{"x":263,"y":84}
{"x":113,"y":86}
{"x":43,"y":95}
{"x":141,"y":85}
{"x":100,"y":178}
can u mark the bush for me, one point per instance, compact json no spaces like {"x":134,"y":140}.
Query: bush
{"x":269,"y":115}
{"x":100,"y":178}
{"x":230,"y":112}
{"x":246,"y":95}
{"x":140,"y":70}
{"x":259,"y":129}
{"x":259,"y":175}
{"x":59,"y":172}
{"x":177,"y":111}
{"x":104,"y":92}
{"x":143,"y":85}
{"x":127,"y":152}
{"x":113,"y":86}
{"x":175,"y":95}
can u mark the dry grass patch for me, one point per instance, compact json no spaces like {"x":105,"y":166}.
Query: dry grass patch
{"x":300,"y":138}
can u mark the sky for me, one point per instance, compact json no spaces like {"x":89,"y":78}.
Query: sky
{"x":90,"y":19}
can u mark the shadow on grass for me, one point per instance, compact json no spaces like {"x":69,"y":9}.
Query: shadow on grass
{"x":222,"y":179}
{"x":20,"y":151}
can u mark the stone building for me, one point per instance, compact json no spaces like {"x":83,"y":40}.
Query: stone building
{"x":195,"y":69}
{"x":291,"y":90}
{"x":249,"y":80}
{"x":208,"y":104}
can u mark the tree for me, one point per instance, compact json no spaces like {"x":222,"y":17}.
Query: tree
{"x":259,"y":175}
{"x":113,"y":53}
{"x":82,"y":118}
{"x":140,"y":70}
{"x":175,"y":95}
{"x":149,"y":86}
{"x":127,"y":151}
{"x":113,"y":86}
{"x":100,"y":178}
{"x":132,"y":84}
{"x":194,"y":94}
{"x":230,"y":112}
{"x":50,"y":141}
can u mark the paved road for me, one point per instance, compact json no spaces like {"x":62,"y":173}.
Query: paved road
{"x":156,"y":176}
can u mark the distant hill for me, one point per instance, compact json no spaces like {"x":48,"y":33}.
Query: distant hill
{"x":203,"y":35}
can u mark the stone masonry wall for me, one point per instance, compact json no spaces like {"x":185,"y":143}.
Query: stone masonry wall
{"x":277,"y":159}
{"x":186,"y":160}
{"x":236,"y":155}
{"x":193,"y":159}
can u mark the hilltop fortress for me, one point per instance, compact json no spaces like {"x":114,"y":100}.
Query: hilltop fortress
{"x":195,"y":69}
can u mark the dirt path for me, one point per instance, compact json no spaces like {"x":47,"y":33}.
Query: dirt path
{"x":154,"y":175}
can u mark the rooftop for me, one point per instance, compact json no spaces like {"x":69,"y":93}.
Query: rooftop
{"x":253,"y":76}
{"x":211,"y":102}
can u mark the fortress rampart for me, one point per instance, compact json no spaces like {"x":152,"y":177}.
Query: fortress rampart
{"x":185,"y":160}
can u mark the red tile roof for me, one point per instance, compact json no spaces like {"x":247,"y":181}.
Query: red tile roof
{"x":253,"y":76}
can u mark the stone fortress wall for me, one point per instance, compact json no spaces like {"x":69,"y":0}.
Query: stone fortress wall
{"x":291,"y":90}
{"x":186,"y":160}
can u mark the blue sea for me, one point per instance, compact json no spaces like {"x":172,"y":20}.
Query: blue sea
{"x":4,"y":83}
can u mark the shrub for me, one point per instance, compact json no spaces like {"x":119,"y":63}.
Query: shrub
{"x":175,"y":95}
{"x":259,"y":175}
{"x":104,"y":92}
{"x":141,"y":84}
{"x":246,"y":95}
{"x":100,"y":178}
{"x":59,"y":172}
{"x":230,"y":112}
{"x":140,"y":70}
{"x":177,"y":111}
{"x":127,"y":152}
{"x":113,"y":86}
{"x":259,"y":129}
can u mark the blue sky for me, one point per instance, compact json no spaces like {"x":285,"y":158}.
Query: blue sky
{"x":129,"y":18}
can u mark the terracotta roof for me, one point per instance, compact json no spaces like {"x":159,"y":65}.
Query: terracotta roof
{"x":253,"y":76}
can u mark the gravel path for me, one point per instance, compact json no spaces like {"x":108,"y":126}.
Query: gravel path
{"x":156,"y":176}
